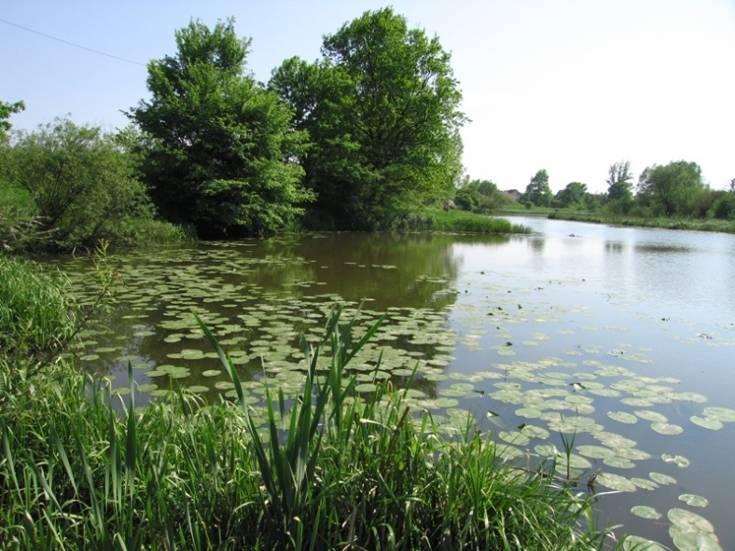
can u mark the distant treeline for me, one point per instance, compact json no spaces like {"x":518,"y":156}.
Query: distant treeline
{"x":674,"y":190}
{"x":362,"y":138}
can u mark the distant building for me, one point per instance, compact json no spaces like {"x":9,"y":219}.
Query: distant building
{"x":513,"y":194}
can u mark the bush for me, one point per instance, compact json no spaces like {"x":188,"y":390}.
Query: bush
{"x":81,"y":184}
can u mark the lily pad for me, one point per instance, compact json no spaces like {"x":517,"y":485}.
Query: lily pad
{"x":706,"y":422}
{"x":669,"y":429}
{"x":615,"y":482}
{"x":622,"y":417}
{"x":678,"y":460}
{"x":726,"y":415}
{"x":694,"y":500}
{"x":636,"y":543}
{"x":661,"y":478}
{"x":645,"y":511}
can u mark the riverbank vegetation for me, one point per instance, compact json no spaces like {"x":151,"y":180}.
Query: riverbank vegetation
{"x":365,"y":138}
{"x":671,"y":196}
{"x":82,"y":468}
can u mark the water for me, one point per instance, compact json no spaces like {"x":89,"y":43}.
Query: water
{"x":552,"y":330}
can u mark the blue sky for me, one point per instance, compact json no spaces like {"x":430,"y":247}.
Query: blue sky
{"x":566,"y":85}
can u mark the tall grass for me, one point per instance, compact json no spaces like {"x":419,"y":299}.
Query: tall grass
{"x":328,"y":470}
{"x":36,"y":311}
{"x":462,"y":221}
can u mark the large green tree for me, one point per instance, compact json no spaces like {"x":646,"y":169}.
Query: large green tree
{"x":573,"y":195}
{"x":672,"y":189}
{"x":619,"y":182}
{"x":538,"y":192}
{"x":382,"y":111}
{"x":221,"y":152}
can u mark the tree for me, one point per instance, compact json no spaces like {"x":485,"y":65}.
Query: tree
{"x":222,"y":151}
{"x":81,"y":182}
{"x":671,"y":189}
{"x":538,"y":192}
{"x":573,"y":195}
{"x":619,"y":184}
{"x":382,"y":111}
{"x":7,"y":109}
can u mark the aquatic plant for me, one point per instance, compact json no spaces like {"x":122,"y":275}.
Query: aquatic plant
{"x":331,"y":468}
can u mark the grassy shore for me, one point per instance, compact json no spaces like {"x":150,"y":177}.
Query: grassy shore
{"x":83,"y":469}
{"x":463,"y":221}
{"x":693,"y":224}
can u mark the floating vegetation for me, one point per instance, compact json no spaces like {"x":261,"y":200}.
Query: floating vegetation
{"x":456,"y":343}
{"x":694,"y":500}
{"x":645,"y":511}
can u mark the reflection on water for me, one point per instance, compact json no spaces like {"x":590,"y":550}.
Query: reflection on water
{"x":618,"y":335}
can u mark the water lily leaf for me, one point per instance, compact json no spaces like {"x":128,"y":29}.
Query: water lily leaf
{"x":678,"y":460}
{"x":652,"y":416}
{"x":644,"y":511}
{"x":622,"y":417}
{"x":726,"y":415}
{"x":667,"y":428}
{"x":706,"y":422}
{"x":644,"y":483}
{"x":596,"y":452}
{"x":690,"y":522}
{"x":661,"y":478}
{"x":636,"y":543}
{"x":694,"y":500}
{"x":615,"y":482}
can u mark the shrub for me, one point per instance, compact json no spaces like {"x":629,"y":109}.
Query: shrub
{"x":80,"y":181}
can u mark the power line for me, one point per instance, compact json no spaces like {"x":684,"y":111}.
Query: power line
{"x":68,"y":43}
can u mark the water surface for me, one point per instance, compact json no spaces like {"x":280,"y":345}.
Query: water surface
{"x":618,"y":336}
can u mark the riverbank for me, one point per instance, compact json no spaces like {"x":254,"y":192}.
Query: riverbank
{"x":463,"y":221}
{"x":692,"y":224}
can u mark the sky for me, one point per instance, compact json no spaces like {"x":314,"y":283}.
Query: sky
{"x":566,"y":85}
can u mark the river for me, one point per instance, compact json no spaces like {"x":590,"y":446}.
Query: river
{"x":622,"y":337}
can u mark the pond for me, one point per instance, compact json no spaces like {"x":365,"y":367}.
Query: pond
{"x":620,"y":337}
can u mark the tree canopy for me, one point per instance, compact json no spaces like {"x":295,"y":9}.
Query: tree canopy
{"x":619,"y":182}
{"x":7,"y":109}
{"x":573,"y":195}
{"x":382,"y":111}
{"x":220,"y":147}
{"x":538,"y":192}
{"x":671,"y":189}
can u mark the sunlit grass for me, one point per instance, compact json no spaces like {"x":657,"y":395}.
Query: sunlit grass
{"x":463,"y":221}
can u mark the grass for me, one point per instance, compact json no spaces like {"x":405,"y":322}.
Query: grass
{"x":36,"y":311}
{"x":463,"y":221}
{"x":332,"y":469}
{"x":692,"y":224}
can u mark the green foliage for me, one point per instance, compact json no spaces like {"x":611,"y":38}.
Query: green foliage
{"x":81,"y":185}
{"x":538,"y":192}
{"x":723,"y":206}
{"x":382,"y":111}
{"x":329,"y":470}
{"x":7,"y":109}
{"x":619,"y":183}
{"x":36,"y":310}
{"x":573,"y":195}
{"x":481,"y":196}
{"x":461,"y":221}
{"x":219,"y":147}
{"x":672,"y":189}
